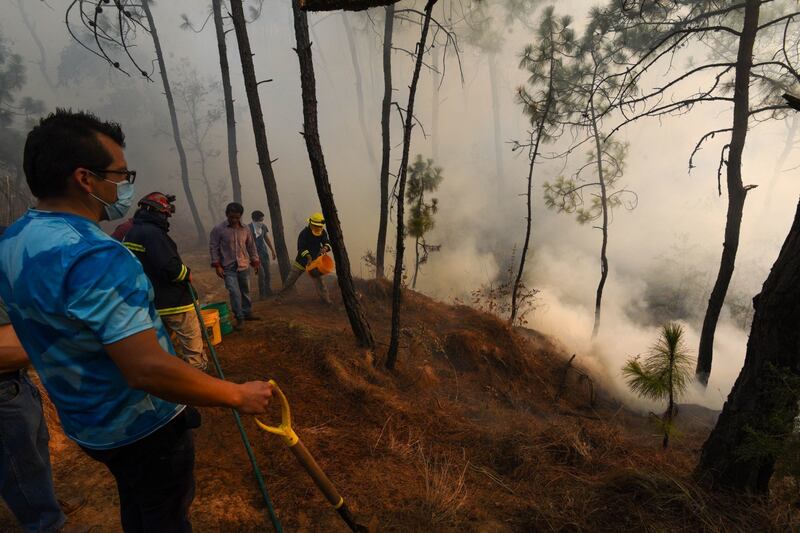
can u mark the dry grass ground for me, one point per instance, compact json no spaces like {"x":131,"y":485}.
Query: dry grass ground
{"x":465,"y":436}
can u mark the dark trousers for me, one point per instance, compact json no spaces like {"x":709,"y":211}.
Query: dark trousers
{"x":26,"y":478}
{"x":155,"y":478}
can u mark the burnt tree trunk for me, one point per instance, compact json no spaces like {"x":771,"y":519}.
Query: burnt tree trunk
{"x":351,"y":43}
{"x":760,"y":400}
{"x":386,"y":140}
{"x":394,"y":342}
{"x":604,"y":228}
{"x":436,"y":81}
{"x":260,"y":133}
{"x":416,"y":263}
{"x":358,"y":321}
{"x":534,"y":153}
{"x":176,"y":132}
{"x":227,"y":92}
{"x":196,"y":138}
{"x":386,"y":109}
{"x":736,"y":190}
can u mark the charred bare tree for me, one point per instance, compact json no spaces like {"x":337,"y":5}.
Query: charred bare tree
{"x":737,"y":191}
{"x":347,"y":5}
{"x":386,"y":141}
{"x":111,"y":33}
{"x":227,"y":94}
{"x":351,"y":43}
{"x":656,"y":31}
{"x":763,"y":405}
{"x":394,"y":342}
{"x":260,"y":133}
{"x":358,"y":321}
{"x":193,"y":93}
{"x":545,"y":63}
{"x":31,"y":27}
{"x":173,"y":118}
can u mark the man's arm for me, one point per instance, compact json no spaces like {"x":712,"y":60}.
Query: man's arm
{"x":250,"y":245}
{"x":213,"y":248}
{"x":214,"y":251}
{"x":12,"y":354}
{"x":326,"y":242}
{"x":146,"y":366}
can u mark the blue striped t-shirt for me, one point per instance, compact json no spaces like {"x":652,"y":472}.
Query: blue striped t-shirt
{"x":70,"y":289}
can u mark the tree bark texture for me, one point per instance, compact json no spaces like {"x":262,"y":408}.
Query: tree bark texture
{"x":176,"y":132}
{"x":757,"y":401}
{"x":435,"y":82}
{"x":604,"y":206}
{"x":386,"y":109}
{"x":736,"y":190}
{"x":394,"y":342}
{"x":528,"y":194}
{"x":260,"y":133}
{"x":347,"y":5}
{"x":351,"y":43}
{"x":358,"y":321}
{"x":416,"y":263}
{"x":227,"y":92}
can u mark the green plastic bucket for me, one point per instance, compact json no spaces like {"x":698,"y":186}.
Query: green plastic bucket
{"x":225,"y":323}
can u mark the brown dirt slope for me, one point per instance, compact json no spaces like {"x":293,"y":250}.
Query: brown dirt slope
{"x":465,"y":436}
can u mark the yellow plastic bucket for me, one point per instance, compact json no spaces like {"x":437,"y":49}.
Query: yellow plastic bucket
{"x":320,"y":266}
{"x":211,"y":323}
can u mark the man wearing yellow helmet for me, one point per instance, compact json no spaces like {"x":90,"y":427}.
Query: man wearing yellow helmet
{"x":311,"y":243}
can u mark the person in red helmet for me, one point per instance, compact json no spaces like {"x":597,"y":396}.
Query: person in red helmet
{"x":149,"y":241}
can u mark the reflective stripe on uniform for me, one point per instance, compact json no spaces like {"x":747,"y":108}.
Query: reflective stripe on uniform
{"x":182,"y":275}
{"x":304,"y":253}
{"x":175,"y":310}
{"x":132,"y":246}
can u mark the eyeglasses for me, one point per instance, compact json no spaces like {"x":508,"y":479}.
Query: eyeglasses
{"x":130,"y":175}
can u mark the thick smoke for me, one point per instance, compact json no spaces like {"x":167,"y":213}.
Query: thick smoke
{"x":664,"y":255}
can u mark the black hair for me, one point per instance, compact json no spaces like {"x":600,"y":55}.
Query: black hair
{"x":62,"y":142}
{"x":234,"y":207}
{"x":257,"y":215}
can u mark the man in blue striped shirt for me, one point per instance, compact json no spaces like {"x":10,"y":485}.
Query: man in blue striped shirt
{"x":82,"y":308}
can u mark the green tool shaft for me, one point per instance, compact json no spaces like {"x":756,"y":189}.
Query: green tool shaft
{"x":276,"y":524}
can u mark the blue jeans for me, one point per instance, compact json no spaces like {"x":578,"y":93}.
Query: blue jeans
{"x":238,"y":285}
{"x":26,"y":477}
{"x":264,"y":288}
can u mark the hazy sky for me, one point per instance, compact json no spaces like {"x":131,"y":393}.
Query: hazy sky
{"x":673,"y":237}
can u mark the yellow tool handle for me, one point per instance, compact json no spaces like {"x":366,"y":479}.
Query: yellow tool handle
{"x":299,"y":450}
{"x":320,"y":479}
{"x":285,"y":428}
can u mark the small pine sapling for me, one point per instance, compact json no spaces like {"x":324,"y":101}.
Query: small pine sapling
{"x":664,"y":374}
{"x":423,"y":178}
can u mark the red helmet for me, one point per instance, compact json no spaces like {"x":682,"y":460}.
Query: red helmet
{"x":159,"y":202}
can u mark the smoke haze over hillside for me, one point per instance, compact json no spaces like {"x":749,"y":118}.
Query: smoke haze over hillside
{"x":664,"y":255}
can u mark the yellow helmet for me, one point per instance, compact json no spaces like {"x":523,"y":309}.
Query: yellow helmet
{"x":316,"y":220}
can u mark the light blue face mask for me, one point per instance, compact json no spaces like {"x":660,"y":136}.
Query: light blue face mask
{"x":125,"y":193}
